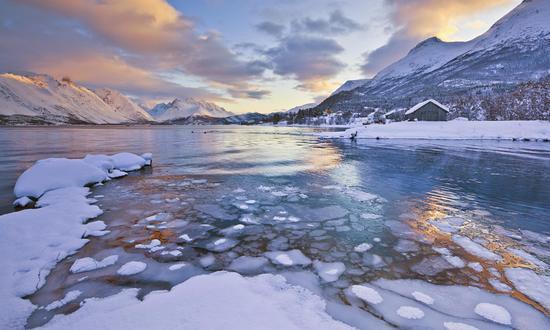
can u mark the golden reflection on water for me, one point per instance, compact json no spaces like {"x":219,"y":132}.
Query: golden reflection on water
{"x":434,"y":207}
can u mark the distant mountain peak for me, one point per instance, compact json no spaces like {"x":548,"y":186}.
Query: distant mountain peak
{"x":181,"y":108}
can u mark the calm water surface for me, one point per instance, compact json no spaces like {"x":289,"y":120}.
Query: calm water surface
{"x":290,"y":190}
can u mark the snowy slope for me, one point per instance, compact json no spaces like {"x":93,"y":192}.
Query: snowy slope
{"x":122,"y":105}
{"x":528,"y":21}
{"x":184,"y":108}
{"x":350,"y":85}
{"x":427,"y":56}
{"x":42,"y":97}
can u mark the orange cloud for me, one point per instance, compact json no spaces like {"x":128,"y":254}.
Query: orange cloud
{"x":426,"y":18}
{"x":140,"y":25}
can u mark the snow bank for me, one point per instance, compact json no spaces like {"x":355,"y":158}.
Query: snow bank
{"x":450,"y":130}
{"x":221,"y":300}
{"x":54,"y":173}
{"x":32,"y":241}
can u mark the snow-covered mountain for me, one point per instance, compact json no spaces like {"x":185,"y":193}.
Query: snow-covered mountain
{"x":39,"y":98}
{"x":513,"y":51}
{"x":123,"y":105}
{"x":183,"y":108}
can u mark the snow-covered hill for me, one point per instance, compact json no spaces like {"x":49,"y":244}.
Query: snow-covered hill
{"x":513,"y":51}
{"x":184,"y":108}
{"x":40,"y":98}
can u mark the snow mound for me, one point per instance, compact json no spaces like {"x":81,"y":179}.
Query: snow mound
{"x":221,"y":300}
{"x":55,"y":173}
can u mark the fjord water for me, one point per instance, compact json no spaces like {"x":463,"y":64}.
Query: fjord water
{"x":234,"y":191}
{"x":509,"y":178}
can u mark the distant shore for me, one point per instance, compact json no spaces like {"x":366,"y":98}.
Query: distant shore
{"x":531,"y":130}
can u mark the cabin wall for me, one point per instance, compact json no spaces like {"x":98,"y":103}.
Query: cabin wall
{"x":429,"y":112}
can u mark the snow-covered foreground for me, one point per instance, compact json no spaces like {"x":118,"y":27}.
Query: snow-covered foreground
{"x":450,"y":130}
{"x":220,"y":300}
{"x":32,"y":241}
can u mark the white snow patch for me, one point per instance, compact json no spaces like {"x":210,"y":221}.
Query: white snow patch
{"x":88,"y":264}
{"x":330,"y":271}
{"x":494,"y":313}
{"x":177,"y":266}
{"x":70,"y":296}
{"x":476,"y":266}
{"x":534,"y":286}
{"x":288,"y":258}
{"x":422,"y":297}
{"x":409,"y":312}
{"x":363,"y":247}
{"x":367,"y":294}
{"x":458,"y":326}
{"x":132,"y":268}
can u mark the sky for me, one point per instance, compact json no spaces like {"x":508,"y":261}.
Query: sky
{"x":244,"y":55}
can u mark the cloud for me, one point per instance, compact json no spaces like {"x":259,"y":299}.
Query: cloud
{"x":336,"y":24}
{"x":416,"y":20}
{"x":150,"y":34}
{"x":307,"y":59}
{"x":249,"y":94}
{"x":306,"y":52}
{"x":271,"y":28}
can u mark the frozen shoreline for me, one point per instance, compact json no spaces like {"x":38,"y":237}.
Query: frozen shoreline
{"x":450,"y":130}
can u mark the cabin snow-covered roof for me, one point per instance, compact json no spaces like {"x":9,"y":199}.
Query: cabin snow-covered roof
{"x":421,"y":104}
